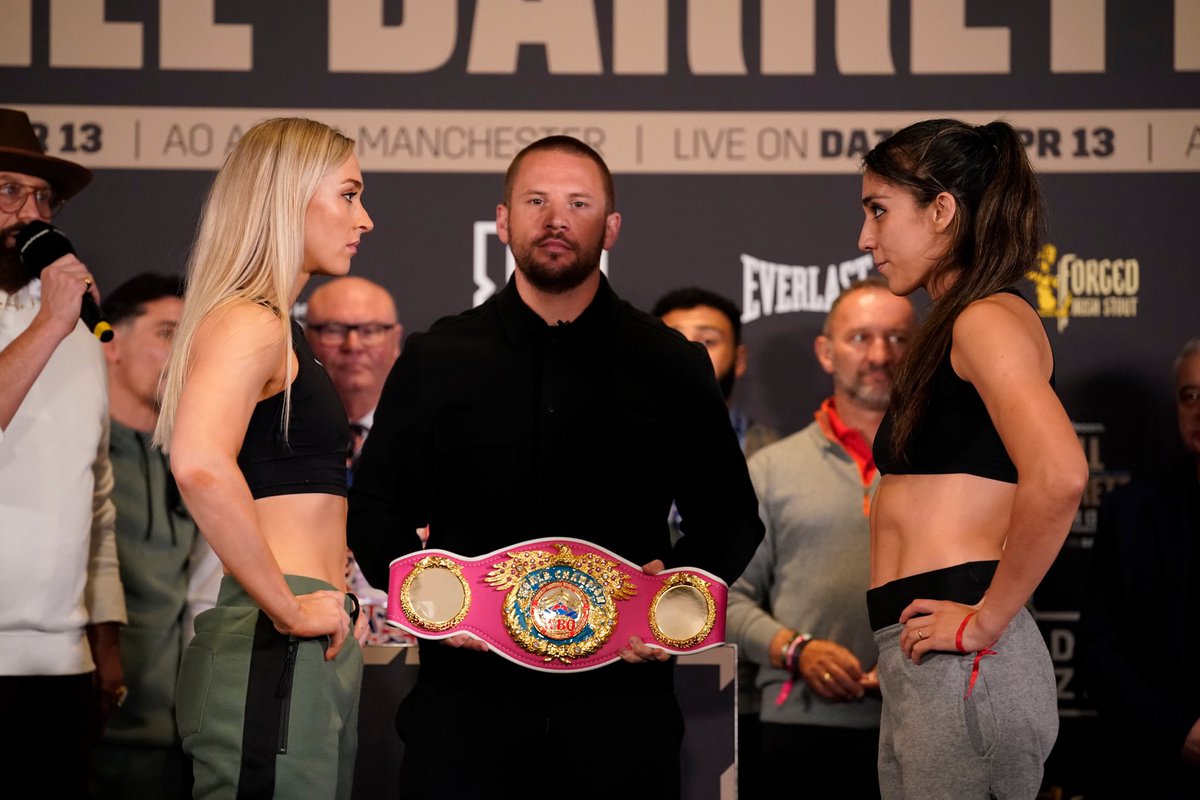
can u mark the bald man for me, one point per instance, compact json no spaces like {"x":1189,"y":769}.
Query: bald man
{"x":353,"y":330}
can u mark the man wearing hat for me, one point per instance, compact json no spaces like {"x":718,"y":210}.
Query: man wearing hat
{"x":60,"y":592}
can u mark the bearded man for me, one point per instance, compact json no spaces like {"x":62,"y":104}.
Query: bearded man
{"x":555,"y":409}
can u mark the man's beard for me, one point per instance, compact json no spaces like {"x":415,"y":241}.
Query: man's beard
{"x":871,"y":396}
{"x":555,"y":277}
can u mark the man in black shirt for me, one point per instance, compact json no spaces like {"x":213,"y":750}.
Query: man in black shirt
{"x":1139,"y":633}
{"x":554,"y":409}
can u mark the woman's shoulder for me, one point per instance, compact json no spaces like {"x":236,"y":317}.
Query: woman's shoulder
{"x":243,"y":316}
{"x":994,"y":328}
{"x":1003,"y":311}
{"x":241,"y":326}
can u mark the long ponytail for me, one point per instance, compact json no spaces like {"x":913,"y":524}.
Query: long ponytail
{"x":995,"y":234}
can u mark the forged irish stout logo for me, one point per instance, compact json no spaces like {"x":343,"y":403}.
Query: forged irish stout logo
{"x":1072,"y":286}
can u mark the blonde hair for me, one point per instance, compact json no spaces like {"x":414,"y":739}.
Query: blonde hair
{"x":250,"y":240}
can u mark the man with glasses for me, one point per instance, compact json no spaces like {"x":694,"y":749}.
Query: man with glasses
{"x":61,"y":600}
{"x":352,"y":328}
{"x":1139,"y":634}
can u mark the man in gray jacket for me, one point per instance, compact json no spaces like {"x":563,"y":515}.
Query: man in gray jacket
{"x":163,"y":557}
{"x":798,"y":610}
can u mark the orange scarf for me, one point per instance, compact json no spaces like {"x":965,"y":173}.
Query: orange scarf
{"x":853,"y":442}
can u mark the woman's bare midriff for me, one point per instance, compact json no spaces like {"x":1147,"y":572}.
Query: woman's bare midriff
{"x":921,"y":523}
{"x":306,"y":534}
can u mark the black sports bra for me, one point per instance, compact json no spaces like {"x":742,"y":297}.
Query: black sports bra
{"x":954,"y":435}
{"x":313,"y":460}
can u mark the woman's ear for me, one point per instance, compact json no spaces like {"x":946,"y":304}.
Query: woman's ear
{"x":943,"y":208}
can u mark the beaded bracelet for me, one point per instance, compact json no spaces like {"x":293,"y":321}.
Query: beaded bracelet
{"x":791,"y":656}
{"x":791,"y":663}
{"x":784,"y":648}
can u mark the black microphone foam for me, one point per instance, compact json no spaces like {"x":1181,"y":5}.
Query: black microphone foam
{"x":41,"y":244}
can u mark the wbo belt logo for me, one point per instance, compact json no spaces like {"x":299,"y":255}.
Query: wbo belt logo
{"x":560,"y":605}
{"x":1071,"y":286}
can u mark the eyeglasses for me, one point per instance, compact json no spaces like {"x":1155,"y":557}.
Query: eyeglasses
{"x":369,"y":333}
{"x":1189,"y":396}
{"x":14,"y":195}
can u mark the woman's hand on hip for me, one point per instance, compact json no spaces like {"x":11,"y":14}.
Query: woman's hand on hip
{"x":942,"y":625}
{"x":320,"y":613}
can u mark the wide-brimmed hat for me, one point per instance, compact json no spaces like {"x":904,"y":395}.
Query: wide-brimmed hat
{"x":20,"y":151}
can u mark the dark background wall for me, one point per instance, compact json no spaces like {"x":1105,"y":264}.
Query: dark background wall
{"x":734,"y":129}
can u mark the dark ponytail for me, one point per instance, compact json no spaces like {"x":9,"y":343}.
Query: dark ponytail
{"x":995,"y":234}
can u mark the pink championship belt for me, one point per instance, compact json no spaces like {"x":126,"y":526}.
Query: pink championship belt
{"x":556,"y":604}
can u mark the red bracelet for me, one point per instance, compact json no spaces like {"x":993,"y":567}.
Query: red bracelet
{"x":958,"y":637}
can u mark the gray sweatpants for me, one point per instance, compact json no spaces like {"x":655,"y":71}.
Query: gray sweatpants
{"x":934,"y":742}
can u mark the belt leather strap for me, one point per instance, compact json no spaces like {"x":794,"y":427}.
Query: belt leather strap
{"x":556,"y":604}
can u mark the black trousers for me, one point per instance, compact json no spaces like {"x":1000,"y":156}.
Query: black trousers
{"x":50,"y":725}
{"x":818,"y":762}
{"x":465,"y":742}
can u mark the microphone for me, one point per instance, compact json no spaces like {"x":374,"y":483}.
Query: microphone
{"x":41,"y":244}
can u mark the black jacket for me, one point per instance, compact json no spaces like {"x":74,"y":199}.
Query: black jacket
{"x":495,"y":428}
{"x":1138,"y":636}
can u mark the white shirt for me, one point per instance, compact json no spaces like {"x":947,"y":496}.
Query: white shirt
{"x":58,"y":552}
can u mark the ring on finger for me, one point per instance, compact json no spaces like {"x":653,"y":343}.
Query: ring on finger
{"x":827,"y":677}
{"x":922,"y":634}
{"x":87,"y":281}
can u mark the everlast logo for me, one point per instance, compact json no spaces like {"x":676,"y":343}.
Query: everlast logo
{"x":769,"y":288}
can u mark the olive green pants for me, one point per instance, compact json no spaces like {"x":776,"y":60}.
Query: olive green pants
{"x":263,"y":715}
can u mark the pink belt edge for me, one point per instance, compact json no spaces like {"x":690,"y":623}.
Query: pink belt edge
{"x":556,"y":604}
